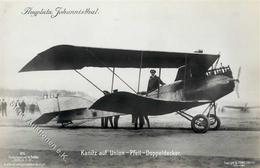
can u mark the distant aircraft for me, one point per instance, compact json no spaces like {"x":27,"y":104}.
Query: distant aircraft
{"x":198,"y":82}
{"x":242,"y":108}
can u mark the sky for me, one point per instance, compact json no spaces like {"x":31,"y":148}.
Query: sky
{"x":230,"y":28}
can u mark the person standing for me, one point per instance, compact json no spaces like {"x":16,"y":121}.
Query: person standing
{"x":22,"y":107}
{"x":141,"y":120}
{"x":135,"y":120}
{"x":1,"y":108}
{"x":17,"y":107}
{"x":4,"y":106}
{"x":32,"y":108}
{"x":147,"y":120}
{"x":154,"y":82}
{"x":110,"y":119}
{"x":116,"y":118}
{"x":102,"y":122}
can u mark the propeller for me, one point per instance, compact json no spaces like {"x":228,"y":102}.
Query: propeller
{"x":237,"y":81}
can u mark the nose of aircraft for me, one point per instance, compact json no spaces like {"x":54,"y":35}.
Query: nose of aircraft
{"x":234,"y":83}
{"x":224,"y":86}
{"x":230,"y":83}
{"x":226,"y":81}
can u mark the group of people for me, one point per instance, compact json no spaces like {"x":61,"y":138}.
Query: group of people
{"x":17,"y":104}
{"x":140,"y":119}
{"x":105,"y":120}
{"x":21,"y":106}
{"x":3,"y":108}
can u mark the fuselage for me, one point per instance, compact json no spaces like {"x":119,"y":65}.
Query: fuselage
{"x":210,"y":87}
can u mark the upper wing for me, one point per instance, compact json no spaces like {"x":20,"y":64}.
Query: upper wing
{"x":128,"y":103}
{"x":64,"y":57}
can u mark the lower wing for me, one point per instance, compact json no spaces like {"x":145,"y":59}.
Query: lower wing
{"x":128,"y":103}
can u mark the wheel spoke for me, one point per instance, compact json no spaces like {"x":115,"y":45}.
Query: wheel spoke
{"x":199,"y":123}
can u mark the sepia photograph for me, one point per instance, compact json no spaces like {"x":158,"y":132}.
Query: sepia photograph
{"x":133,"y":84}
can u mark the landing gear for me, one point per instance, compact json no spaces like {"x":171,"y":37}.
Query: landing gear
{"x":200,"y":123}
{"x":213,"y":118}
{"x":214,"y":122}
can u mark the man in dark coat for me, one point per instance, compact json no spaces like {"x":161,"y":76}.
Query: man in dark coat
{"x":1,"y":108}
{"x":4,"y":106}
{"x":22,"y":107}
{"x":154,"y":82}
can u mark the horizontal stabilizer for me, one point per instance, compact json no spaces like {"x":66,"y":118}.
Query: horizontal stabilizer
{"x":45,"y":118}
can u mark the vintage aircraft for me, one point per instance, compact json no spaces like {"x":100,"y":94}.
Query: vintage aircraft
{"x":198,"y":82}
{"x":243,"y":108}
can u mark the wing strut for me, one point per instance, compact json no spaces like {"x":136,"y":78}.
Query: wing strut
{"x":158,"y":93}
{"x":121,"y":79}
{"x":88,"y":80}
{"x":140,"y":70}
{"x":93,"y":55}
{"x":58,"y":102}
{"x":113,"y":76}
{"x":185,"y":71}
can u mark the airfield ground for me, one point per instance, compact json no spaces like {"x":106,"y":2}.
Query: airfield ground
{"x":236,"y":144}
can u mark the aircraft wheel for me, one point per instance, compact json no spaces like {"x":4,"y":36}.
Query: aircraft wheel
{"x":200,"y":124}
{"x":214,"y":122}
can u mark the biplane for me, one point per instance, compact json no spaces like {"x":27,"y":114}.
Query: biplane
{"x":243,"y":108}
{"x":198,"y":82}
